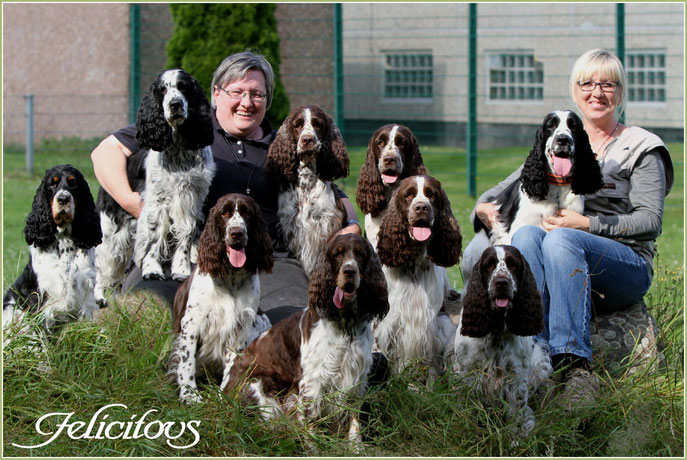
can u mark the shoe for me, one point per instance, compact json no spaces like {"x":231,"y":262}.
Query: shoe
{"x":580,"y":386}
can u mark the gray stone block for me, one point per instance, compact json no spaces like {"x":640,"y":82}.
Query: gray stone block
{"x":626,"y":341}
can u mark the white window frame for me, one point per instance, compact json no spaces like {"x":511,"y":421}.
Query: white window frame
{"x":418,"y":73}
{"x":514,"y":76}
{"x":646,"y":75}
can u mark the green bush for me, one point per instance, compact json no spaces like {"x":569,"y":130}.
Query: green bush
{"x":204,"y":34}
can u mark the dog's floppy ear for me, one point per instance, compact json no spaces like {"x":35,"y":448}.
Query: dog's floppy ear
{"x":445,"y":247}
{"x":373,"y":295}
{"x":527,"y":315}
{"x":152,"y":130}
{"x":282,"y":159}
{"x":477,"y":317}
{"x":197,"y":132}
{"x":370,"y":191}
{"x":40,"y":229}
{"x":416,"y":166}
{"x":393,"y":240}
{"x":322,"y":285}
{"x":86,"y":229}
{"x":212,"y":253}
{"x":533,"y":176}
{"x":259,"y":250}
{"x":586,"y":172}
{"x":333,"y":164}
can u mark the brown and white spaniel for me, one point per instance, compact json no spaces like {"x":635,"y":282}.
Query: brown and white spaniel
{"x":317,"y":361}
{"x":502,"y":310}
{"x":216,"y":308}
{"x":392,"y":155}
{"x":418,"y":238}
{"x":305,"y":157}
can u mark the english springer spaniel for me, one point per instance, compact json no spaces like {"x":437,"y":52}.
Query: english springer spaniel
{"x":216,"y":308}
{"x":559,"y":170}
{"x":317,"y":361}
{"x":305,"y":157}
{"x":62,"y":230}
{"x":172,"y":171}
{"x":392,"y":155}
{"x":502,"y":310}
{"x":418,"y":238}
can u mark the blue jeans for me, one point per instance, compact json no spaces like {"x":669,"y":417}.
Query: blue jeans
{"x":568,"y":265}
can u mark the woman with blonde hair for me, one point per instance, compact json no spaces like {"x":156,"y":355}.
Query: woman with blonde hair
{"x":602,"y":260}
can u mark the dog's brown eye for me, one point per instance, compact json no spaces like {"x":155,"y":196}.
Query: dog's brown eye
{"x":225,"y":213}
{"x":55,"y":180}
{"x":298,"y":123}
{"x":71,"y":181}
{"x":317,"y":123}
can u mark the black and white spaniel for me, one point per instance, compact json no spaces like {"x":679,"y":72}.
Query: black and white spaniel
{"x":560,"y":169}
{"x":392,"y":155}
{"x":172,"y":171}
{"x":418,"y":238}
{"x":305,"y":157}
{"x":62,"y":230}
{"x":502,"y":310}
{"x":316,"y":360}
{"x":216,"y":308}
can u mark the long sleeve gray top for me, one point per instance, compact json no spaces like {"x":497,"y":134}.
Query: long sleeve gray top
{"x":638,"y":174}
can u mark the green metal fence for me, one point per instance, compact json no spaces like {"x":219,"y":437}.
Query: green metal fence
{"x":466,"y":78}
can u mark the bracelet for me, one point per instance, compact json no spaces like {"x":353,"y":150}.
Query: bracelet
{"x":352,"y":221}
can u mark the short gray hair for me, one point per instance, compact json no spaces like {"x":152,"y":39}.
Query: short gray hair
{"x":236,"y":66}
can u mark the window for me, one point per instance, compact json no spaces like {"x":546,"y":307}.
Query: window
{"x":646,"y":76}
{"x":408,"y":75}
{"x":515,"y":75}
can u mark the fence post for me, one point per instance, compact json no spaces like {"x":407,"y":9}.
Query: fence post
{"x":620,"y":39}
{"x":338,"y":68}
{"x":471,"y":146}
{"x":29,"y":132}
{"x":134,"y":61}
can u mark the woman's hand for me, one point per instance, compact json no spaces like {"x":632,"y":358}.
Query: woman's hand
{"x":351,"y":228}
{"x":132,"y":203}
{"x":488,"y":213}
{"x":566,"y":218}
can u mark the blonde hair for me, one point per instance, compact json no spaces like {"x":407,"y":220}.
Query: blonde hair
{"x":606,"y":65}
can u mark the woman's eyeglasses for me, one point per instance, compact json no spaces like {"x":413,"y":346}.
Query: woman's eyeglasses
{"x":237,"y":95}
{"x":606,"y":86}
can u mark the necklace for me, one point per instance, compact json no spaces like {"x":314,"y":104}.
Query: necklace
{"x":238,"y":161}
{"x":601,"y":150}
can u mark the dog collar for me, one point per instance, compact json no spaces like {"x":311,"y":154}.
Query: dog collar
{"x":558,"y":180}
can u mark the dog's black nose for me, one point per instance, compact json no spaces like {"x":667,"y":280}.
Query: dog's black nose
{"x":63,"y":199}
{"x":307,"y":140}
{"x":175,"y":104}
{"x":349,"y":271}
{"x":236,"y":234}
{"x":389,"y":161}
{"x":562,"y":140}
{"x":501,"y":283}
{"x":421,"y":208}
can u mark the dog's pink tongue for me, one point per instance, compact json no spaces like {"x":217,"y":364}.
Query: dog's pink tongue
{"x":421,"y":233}
{"x":389,"y":179}
{"x":503,"y":303}
{"x":561,"y":166}
{"x":237,"y":257}
{"x":338,"y":298}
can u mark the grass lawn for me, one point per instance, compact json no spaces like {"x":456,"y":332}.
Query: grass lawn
{"x":120,"y":359}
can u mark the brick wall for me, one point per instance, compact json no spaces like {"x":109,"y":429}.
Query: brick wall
{"x":74,"y":58}
{"x":307,"y":56}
